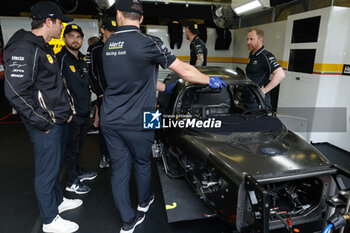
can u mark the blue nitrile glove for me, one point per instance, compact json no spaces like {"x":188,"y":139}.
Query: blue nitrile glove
{"x":169,"y":87}
{"x":216,"y":82}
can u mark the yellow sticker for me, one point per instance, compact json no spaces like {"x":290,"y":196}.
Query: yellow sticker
{"x":49,"y":58}
{"x":114,"y":23}
{"x":196,"y":26}
{"x":169,"y":207}
{"x":74,"y":26}
{"x":72,"y":68}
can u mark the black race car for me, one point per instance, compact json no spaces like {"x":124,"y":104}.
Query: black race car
{"x":241,"y":160}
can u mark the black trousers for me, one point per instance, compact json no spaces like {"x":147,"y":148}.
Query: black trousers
{"x":129,"y":148}
{"x":101,"y":138}
{"x":78,"y":128}
{"x":48,"y":153}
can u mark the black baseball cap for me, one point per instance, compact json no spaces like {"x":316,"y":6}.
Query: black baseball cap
{"x":110,"y":24}
{"x":73,"y":27}
{"x":193,"y":27}
{"x":128,"y":6}
{"x":48,"y":9}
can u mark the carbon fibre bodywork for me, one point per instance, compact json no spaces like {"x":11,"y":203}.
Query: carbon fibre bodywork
{"x":252,"y":171}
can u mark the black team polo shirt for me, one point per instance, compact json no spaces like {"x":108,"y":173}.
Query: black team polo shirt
{"x":130,"y":64}
{"x":198,"y":46}
{"x":261,"y":65}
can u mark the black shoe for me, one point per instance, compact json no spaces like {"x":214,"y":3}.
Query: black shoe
{"x":144,"y":206}
{"x":129,"y":227}
{"x":78,"y":187}
{"x":104,"y":162}
{"x":93,"y":130}
{"x":87,"y":176}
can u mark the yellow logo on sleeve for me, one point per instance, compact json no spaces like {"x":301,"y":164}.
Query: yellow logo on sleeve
{"x":170,"y":207}
{"x":49,"y":58}
{"x":72,"y":68}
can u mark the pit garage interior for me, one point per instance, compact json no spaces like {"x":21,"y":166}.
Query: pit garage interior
{"x":310,"y":40}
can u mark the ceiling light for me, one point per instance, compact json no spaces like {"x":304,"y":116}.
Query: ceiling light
{"x":247,"y":7}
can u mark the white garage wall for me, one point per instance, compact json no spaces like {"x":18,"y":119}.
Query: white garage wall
{"x":273,"y":41}
{"x":326,"y":86}
{"x":215,"y":57}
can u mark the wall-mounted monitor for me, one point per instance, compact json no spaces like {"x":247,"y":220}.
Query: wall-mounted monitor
{"x":306,"y":30}
{"x":302,"y":60}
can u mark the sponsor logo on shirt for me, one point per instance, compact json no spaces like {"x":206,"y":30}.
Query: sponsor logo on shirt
{"x":17,"y":58}
{"x":18,"y":71}
{"x":116,"y":45}
{"x":116,"y":53}
{"x":49,"y":58}
{"x":72,"y":68}
{"x":17,"y":75}
{"x":15,"y":64}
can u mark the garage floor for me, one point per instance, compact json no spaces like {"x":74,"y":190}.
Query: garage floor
{"x":19,"y":212}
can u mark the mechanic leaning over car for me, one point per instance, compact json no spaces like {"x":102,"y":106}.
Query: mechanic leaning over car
{"x":130,"y":64}
{"x":35,"y":88}
{"x":262,"y":64}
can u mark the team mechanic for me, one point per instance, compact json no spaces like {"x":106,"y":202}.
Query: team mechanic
{"x":197,"y":47}
{"x":130,"y":64}
{"x":262,"y":64}
{"x":97,"y":79}
{"x":34,"y":87}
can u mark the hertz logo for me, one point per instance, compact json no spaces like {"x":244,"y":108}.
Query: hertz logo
{"x":116,"y":45}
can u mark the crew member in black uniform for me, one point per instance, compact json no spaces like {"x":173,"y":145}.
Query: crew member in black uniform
{"x":261,"y":65}
{"x":34,"y":87}
{"x":130,"y":63}
{"x":74,"y":71}
{"x":97,"y":79}
{"x":197,"y":46}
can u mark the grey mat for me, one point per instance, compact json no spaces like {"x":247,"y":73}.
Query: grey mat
{"x":180,"y":200}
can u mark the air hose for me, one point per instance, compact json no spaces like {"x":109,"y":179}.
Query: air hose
{"x":328,"y":228}
{"x":336,"y":221}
